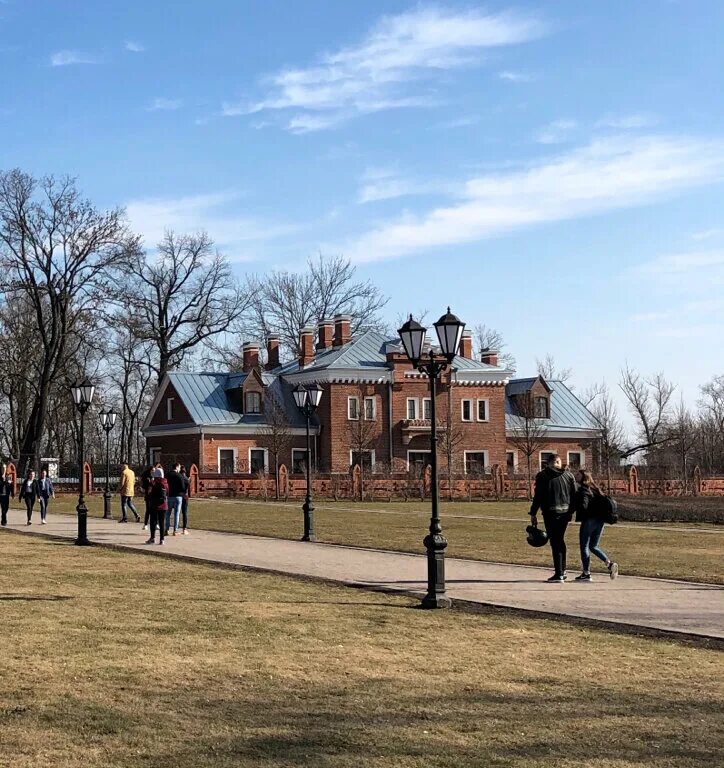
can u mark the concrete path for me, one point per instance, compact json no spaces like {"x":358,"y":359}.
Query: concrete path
{"x":674,"y":606}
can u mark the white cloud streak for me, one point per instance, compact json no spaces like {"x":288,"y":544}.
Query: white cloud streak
{"x":557,"y":132}
{"x":386,"y":184}
{"x":161,"y":104}
{"x":516,"y":77}
{"x":66,"y":58}
{"x":605,"y":175}
{"x":134,"y":47}
{"x":399,"y":54}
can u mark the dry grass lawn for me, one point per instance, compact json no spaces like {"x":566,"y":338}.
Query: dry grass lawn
{"x":115,"y":659}
{"x":482,"y":531}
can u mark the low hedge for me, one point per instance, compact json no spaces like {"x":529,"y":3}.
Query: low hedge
{"x":672,"y":509}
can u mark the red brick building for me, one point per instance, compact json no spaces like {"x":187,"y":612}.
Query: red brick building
{"x":375,"y":409}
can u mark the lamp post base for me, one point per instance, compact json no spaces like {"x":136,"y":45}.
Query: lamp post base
{"x":308,"y":511}
{"x":107,"y":505}
{"x":82,"y":538}
{"x":435,"y":601}
{"x":435,"y":544}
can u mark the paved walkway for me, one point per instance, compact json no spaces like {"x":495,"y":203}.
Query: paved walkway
{"x":675,"y":606}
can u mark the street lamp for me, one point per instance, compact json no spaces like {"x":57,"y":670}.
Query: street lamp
{"x":108,"y":421}
{"x":449,"y":330}
{"x":307,"y":400}
{"x":82,"y":397}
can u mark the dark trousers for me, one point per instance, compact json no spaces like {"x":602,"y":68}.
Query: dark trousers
{"x":127,"y":502}
{"x":4,"y":506}
{"x":158,"y":520}
{"x":29,"y":504}
{"x":556,"y":529}
{"x":147,"y":516}
{"x":185,"y":513}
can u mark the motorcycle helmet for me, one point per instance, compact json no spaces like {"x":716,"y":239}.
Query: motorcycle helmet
{"x":536,"y":537}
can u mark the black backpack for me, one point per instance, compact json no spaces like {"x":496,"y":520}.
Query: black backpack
{"x":606,"y":509}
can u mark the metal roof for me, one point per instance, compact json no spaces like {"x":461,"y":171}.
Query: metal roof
{"x":568,"y":413}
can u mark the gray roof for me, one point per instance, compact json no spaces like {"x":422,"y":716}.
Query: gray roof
{"x":207,"y":397}
{"x":568,"y":413}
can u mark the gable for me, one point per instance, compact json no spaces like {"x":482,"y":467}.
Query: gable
{"x":179,"y":412}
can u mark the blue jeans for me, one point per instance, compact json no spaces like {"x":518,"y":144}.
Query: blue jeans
{"x":174,"y":505}
{"x":591,"y":531}
{"x":127,"y":503}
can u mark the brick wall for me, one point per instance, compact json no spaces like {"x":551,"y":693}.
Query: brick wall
{"x":179,"y":413}
{"x":559,"y":446}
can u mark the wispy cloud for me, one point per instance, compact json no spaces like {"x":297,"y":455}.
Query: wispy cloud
{"x":516,"y":77}
{"x":605,"y":175}
{"x":162,"y":104}
{"x":65,"y":58}
{"x":557,"y":132}
{"x":707,"y":234}
{"x":134,"y":47}
{"x":218,"y":213}
{"x":628,"y":122}
{"x":698,"y":263}
{"x":386,"y":184}
{"x":387,"y":69}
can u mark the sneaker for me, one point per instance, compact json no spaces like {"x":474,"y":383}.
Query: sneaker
{"x":151,"y":541}
{"x":42,"y":522}
{"x":186,"y":533}
{"x":174,"y":533}
{"x":556,"y":579}
{"x":138,"y":519}
{"x":584,"y":577}
{"x":160,"y":542}
{"x":613,"y":570}
{"x":29,"y":522}
{"x":145,"y":527}
{"x":123,"y":520}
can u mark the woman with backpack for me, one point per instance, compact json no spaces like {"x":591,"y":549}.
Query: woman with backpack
{"x":158,"y":505}
{"x":590,"y":513}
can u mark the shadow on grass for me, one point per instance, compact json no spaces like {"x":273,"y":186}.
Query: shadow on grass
{"x":48,"y":598}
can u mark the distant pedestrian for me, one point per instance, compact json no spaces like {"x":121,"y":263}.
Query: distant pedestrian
{"x":185,"y":502}
{"x":127,"y":491}
{"x":176,"y":489}
{"x":158,"y":503}
{"x":7,"y":492}
{"x":146,"y":480}
{"x":46,"y":492}
{"x":591,"y":516}
{"x":555,"y":488}
{"x":29,"y":493}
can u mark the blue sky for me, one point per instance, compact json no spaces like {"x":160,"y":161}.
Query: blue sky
{"x":553,"y":170}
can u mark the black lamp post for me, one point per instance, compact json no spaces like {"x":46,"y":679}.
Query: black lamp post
{"x":307,"y":400}
{"x":108,"y":421}
{"x":449,"y":332}
{"x":82,"y":397}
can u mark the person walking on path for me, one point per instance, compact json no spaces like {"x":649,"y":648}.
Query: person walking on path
{"x":158,"y":503}
{"x":127,"y":491}
{"x":590,"y":515}
{"x":185,"y":502}
{"x":555,"y":489}
{"x":146,"y":481}
{"x":29,"y":493}
{"x":46,"y":492}
{"x":7,"y":492}
{"x":176,"y":489}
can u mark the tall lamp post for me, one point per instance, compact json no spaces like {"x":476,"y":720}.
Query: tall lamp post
{"x":82,"y":397}
{"x":108,"y":421}
{"x":449,"y":330}
{"x":307,"y":400}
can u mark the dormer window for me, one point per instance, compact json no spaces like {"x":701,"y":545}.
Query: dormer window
{"x":253,"y":402}
{"x":169,"y":409}
{"x":541,"y":408}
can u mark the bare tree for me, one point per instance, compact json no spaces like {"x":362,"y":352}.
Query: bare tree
{"x":600,"y":404}
{"x":528,"y":433}
{"x":450,"y":436}
{"x":711,"y":425}
{"x":58,"y":251}
{"x":489,"y":338}
{"x":362,"y":434}
{"x":182,"y":298}
{"x":650,"y":404}
{"x":276,"y":435}
{"x":549,"y":370}
{"x":283,"y":302}
{"x":683,"y":437}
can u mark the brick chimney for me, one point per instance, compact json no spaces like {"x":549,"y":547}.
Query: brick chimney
{"x":489,"y":356}
{"x":272,"y":351}
{"x":251,"y":356}
{"x":325,"y":334}
{"x":466,"y":345}
{"x":306,"y":345}
{"x":342,"y":329}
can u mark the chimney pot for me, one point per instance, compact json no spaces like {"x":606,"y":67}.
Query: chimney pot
{"x":250,"y":352}
{"x":489,"y":356}
{"x":325,"y":334}
{"x":466,"y":345}
{"x":342,"y":329}
{"x":272,"y":351}
{"x":306,"y":346}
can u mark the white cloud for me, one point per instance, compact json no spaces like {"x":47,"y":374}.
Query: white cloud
{"x":161,"y":104}
{"x":217,"y":213}
{"x":378,"y":73}
{"x":64,"y":58}
{"x":386,"y":184}
{"x":628,"y":122}
{"x":607,"y":174}
{"x":707,"y":234}
{"x":516,"y":77}
{"x":557,"y":132}
{"x":707,"y":264}
{"x":134,"y":47}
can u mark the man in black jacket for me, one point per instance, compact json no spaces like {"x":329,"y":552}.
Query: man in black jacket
{"x":555,"y":489}
{"x":177,"y":486}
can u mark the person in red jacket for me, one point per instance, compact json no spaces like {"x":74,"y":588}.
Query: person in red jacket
{"x":158,"y":504}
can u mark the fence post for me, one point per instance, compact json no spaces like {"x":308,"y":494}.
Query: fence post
{"x":697,"y":481}
{"x":193,"y":480}
{"x":633,"y":480}
{"x":87,"y":478}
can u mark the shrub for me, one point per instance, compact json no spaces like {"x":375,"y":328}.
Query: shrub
{"x":671,"y":509}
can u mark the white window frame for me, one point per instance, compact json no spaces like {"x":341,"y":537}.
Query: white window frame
{"x":415,"y":451}
{"x":462,"y":409}
{"x":371,"y":451}
{"x":266,"y":457}
{"x":487,"y":409}
{"x":486,"y":460}
{"x":350,"y":399}
{"x":152,"y":454}
{"x":541,"y":465}
{"x":373,"y":400}
{"x":218,"y":458}
{"x":426,"y":401}
{"x":246,"y":396}
{"x":415,"y":400}
{"x":306,"y":455}
{"x":169,"y":408}
{"x":515,"y":458}
{"x":582,"y":454}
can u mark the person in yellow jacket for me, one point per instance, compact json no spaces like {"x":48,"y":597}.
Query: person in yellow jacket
{"x":128,"y":483}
